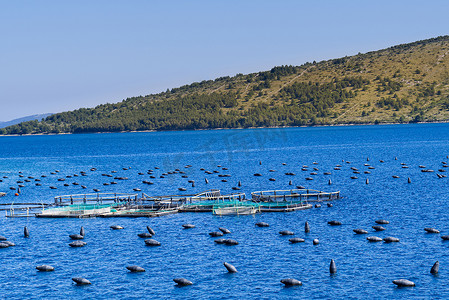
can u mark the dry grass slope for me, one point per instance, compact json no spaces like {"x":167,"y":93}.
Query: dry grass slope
{"x":404,"y":83}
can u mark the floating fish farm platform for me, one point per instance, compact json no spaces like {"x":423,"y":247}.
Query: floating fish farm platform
{"x":114,"y":205}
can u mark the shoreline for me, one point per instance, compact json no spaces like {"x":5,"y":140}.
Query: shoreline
{"x":237,"y":128}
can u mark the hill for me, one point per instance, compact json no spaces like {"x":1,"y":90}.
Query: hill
{"x":23,"y":119}
{"x":404,"y":83}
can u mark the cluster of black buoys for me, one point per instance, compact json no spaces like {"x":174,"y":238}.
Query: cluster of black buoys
{"x":356,"y":171}
{"x":389,"y":239}
{"x":148,"y":234}
{"x":183,"y":174}
{"x":78,"y":238}
{"x":333,"y":270}
{"x":230,"y":268}
{"x":4,"y":243}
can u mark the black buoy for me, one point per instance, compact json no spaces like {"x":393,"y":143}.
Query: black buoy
{"x":150,"y":230}
{"x":334,"y":223}
{"x":307,"y":227}
{"x":367,"y":181}
{"x":382,"y":221}
{"x":290,"y":282}
{"x":239,"y":184}
{"x":378,"y":228}
{"x":45,"y":268}
{"x":296,"y":240}
{"x":409,"y":180}
{"x":81,"y":281}
{"x":403,"y":283}
{"x":207,"y":181}
{"x":435,"y":268}
{"x":145,"y":235}
{"x":116,"y":227}
{"x":330,"y":182}
{"x":26,"y":232}
{"x":391,"y":239}
{"x":230,"y":242}
{"x":135,"y":269}
{"x":224,"y":230}
{"x":182,"y":281}
{"x":230,"y":268}
{"x":216,"y":233}
{"x":286,"y":232}
{"x":77,"y":244}
{"x":82,"y":231}
{"x":76,"y":236}
{"x":151,"y":242}
{"x":290,"y":183}
{"x":332,"y":267}
{"x":431,"y":230}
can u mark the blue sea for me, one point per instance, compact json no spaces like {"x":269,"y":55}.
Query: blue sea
{"x":263,"y":257}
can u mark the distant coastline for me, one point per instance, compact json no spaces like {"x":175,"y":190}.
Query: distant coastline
{"x":238,"y":128}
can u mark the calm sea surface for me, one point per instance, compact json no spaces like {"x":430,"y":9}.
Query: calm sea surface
{"x":263,"y":257}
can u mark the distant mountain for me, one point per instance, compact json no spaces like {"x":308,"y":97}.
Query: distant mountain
{"x":401,"y":84}
{"x":23,"y":119}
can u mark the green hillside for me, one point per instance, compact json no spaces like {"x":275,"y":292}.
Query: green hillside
{"x":401,"y":84}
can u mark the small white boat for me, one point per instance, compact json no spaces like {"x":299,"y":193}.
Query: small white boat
{"x":235,"y":210}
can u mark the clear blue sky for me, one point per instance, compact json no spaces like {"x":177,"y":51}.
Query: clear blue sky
{"x":62,"y":55}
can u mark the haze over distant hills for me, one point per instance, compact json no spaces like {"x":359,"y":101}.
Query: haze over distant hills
{"x":400,"y":84}
{"x":23,"y":119}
